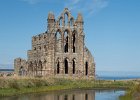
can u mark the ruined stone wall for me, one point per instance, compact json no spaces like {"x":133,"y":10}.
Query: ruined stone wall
{"x":89,"y":62}
{"x":60,"y":51}
{"x":20,"y":67}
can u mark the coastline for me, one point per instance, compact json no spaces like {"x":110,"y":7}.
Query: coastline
{"x":17,"y":86}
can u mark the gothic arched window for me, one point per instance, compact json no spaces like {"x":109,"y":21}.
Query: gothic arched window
{"x":66,"y":41}
{"x":58,"y":67}
{"x":86,"y":68}
{"x":60,"y":22}
{"x":66,"y":19}
{"x":73,"y":66}
{"x":66,"y":66}
{"x":73,"y":42}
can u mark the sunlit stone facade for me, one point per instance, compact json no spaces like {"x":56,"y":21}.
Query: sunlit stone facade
{"x":60,"y":51}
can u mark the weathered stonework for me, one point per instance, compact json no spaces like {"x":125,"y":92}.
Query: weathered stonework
{"x":20,"y":67}
{"x":60,"y":51}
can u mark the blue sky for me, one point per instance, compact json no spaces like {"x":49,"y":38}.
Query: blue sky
{"x":112,"y":29}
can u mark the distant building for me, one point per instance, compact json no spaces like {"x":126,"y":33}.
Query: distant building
{"x":60,"y":51}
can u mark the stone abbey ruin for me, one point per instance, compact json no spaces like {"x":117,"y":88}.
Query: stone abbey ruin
{"x":58,"y":52}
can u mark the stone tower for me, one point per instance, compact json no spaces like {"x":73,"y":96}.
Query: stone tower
{"x":60,"y":51}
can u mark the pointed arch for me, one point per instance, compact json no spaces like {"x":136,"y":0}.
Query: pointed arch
{"x":86,"y":68}
{"x":66,"y":65}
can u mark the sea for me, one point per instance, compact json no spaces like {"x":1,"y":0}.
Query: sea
{"x":117,"y":75}
{"x":105,"y":75}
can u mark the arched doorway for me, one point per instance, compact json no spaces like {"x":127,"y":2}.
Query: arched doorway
{"x":86,"y":68}
{"x":66,"y":66}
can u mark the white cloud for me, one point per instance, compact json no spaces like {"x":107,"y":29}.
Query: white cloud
{"x":89,"y":7}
